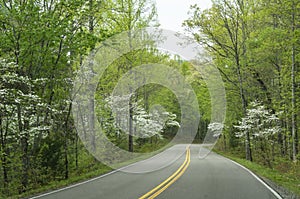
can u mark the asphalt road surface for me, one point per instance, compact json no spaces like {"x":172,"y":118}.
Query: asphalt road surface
{"x":185,"y":177}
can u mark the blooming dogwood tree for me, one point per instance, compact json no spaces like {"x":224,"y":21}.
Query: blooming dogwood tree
{"x":146,"y":124}
{"x":216,"y":128}
{"x":256,"y":129}
{"x":259,"y":122}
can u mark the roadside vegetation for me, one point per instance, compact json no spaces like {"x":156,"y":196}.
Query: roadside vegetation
{"x":284,"y":177}
{"x":43,"y":43}
{"x":255,"y":45}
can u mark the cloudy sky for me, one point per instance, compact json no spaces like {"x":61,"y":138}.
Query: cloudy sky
{"x":171,"y":13}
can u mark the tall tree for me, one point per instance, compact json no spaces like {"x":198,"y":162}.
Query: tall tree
{"x":130,"y":15}
{"x":223,"y":30}
{"x":43,"y":39}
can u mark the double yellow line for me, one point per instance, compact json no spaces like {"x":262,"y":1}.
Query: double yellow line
{"x":170,"y":180}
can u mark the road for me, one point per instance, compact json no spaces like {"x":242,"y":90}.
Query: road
{"x":213,"y":177}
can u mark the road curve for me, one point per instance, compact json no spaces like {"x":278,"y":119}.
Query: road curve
{"x":213,"y":177}
{"x":216,"y":177}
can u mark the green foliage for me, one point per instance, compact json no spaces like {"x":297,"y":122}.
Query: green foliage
{"x":251,"y":44}
{"x":255,"y":46}
{"x":42,"y":44}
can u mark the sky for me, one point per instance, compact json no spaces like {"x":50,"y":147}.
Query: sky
{"x":171,"y":13}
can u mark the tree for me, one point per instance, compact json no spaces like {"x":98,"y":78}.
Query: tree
{"x":223,"y":30}
{"x":254,"y":45}
{"x":293,"y":79}
{"x":20,"y":122}
{"x":259,"y":123}
{"x":43,"y":41}
{"x":273,"y":49}
{"x":129,"y":15}
{"x":145,"y":125}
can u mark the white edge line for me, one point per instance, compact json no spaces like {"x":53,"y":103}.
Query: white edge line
{"x":257,"y":178}
{"x":74,"y":185}
{"x":96,"y":178}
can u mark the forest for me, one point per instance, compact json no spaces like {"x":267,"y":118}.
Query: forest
{"x":254,"y":44}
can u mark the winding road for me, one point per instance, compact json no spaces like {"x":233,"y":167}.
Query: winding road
{"x":186,"y":176}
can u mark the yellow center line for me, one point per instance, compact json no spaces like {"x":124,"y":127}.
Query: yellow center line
{"x":170,"y":180}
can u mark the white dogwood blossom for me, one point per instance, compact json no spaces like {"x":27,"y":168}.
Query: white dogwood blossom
{"x":146,"y":124}
{"x":258,"y":122}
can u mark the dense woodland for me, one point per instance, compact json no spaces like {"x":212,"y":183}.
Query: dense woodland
{"x":253,"y":43}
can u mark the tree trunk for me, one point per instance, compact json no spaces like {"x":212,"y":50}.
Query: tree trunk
{"x":91,"y":17}
{"x":241,"y":20}
{"x":76,"y":151}
{"x":293,"y":74}
{"x":92,"y":123}
{"x":24,"y":150}
{"x":129,"y":27}
{"x":3,"y":157}
{"x":130,"y":135}
{"x":248,"y":148}
{"x":92,"y":97}
{"x":66,"y":159}
{"x":66,"y":142}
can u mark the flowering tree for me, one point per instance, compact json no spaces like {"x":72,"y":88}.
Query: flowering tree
{"x":153,"y":123}
{"x":22,"y":123}
{"x":145,"y":124}
{"x":216,"y":128}
{"x":260,"y":124}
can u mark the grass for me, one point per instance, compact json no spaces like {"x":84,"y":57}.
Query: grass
{"x":97,"y":170}
{"x":74,"y":178}
{"x":285,"y":173}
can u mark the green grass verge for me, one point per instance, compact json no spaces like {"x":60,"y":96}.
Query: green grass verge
{"x":287,"y":180}
{"x":100,"y":169}
{"x":63,"y":183}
